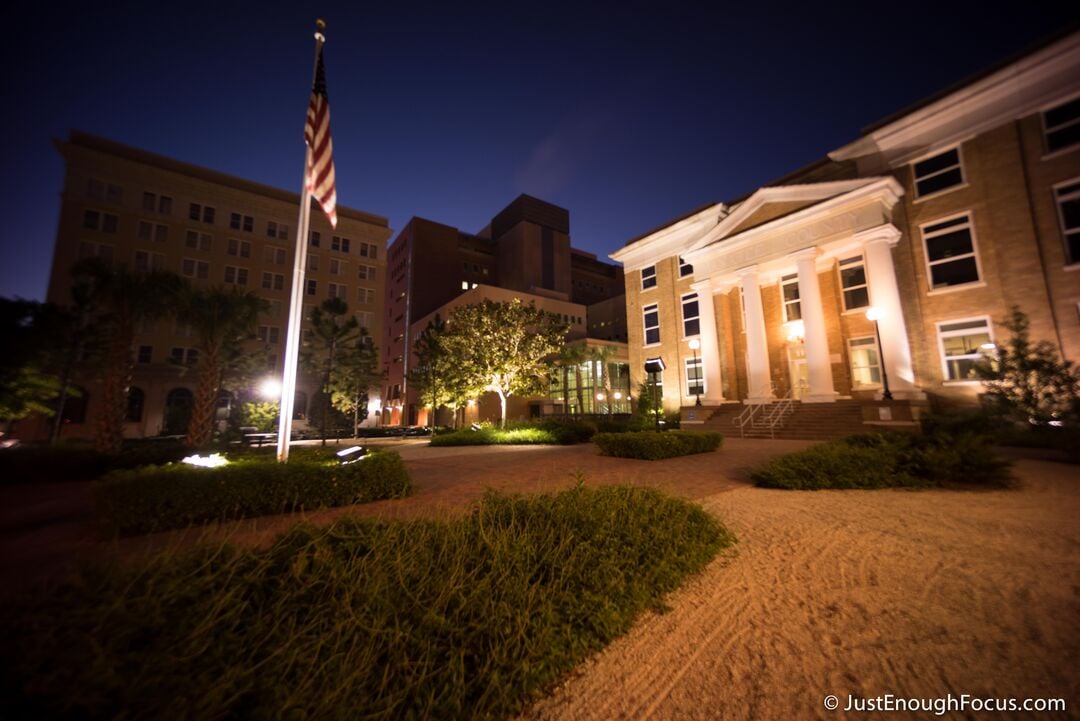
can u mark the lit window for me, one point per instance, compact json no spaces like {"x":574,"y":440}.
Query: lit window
{"x":865,"y":365}
{"x":789,"y":293}
{"x":691,"y":315}
{"x":648,"y":277}
{"x":651,"y":316}
{"x":695,"y":378}
{"x":1061,"y":125}
{"x":938,"y":173}
{"x":1068,"y":203}
{"x":950,"y":252}
{"x":960,"y":343}
{"x":853,"y":283}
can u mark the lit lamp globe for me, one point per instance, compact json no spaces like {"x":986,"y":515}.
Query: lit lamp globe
{"x":270,"y":389}
{"x":695,"y":344}
{"x":874,"y":313}
{"x":618,"y":396}
{"x":599,"y":396}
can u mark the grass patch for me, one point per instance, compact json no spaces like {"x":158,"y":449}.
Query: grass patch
{"x":496,"y":437}
{"x":469,"y":618}
{"x":156,"y":498}
{"x":652,"y":446}
{"x":883,"y":460}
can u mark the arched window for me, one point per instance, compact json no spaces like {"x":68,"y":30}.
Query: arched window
{"x":299,"y":406}
{"x":178,"y":404}
{"x":135,"y":401}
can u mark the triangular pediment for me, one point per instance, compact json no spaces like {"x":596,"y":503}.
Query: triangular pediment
{"x":766,"y":205}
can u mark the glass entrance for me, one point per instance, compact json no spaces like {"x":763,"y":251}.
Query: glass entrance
{"x":800,"y":379}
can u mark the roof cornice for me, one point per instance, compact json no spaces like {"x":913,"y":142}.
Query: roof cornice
{"x":669,"y":240}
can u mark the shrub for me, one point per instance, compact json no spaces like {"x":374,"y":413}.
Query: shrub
{"x":881,"y":460}
{"x":174,"y":496}
{"x":569,"y":431}
{"x":73,"y":462}
{"x":494,"y":436}
{"x":653,"y":446}
{"x":468,"y":618}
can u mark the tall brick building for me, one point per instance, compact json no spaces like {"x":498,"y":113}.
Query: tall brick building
{"x":142,"y":210}
{"x":941,"y":217}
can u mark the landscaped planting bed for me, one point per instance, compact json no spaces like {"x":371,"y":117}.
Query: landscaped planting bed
{"x":466,"y":618}
{"x":652,"y":446}
{"x":551,"y":432}
{"x":881,"y":460}
{"x":155,"y":498}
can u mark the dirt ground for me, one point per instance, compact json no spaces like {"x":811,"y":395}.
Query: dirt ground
{"x":918,"y":594}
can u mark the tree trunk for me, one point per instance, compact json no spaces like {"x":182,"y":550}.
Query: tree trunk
{"x":201,"y":426}
{"x":502,"y":405}
{"x":109,"y":436}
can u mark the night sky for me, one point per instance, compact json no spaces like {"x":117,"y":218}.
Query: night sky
{"x":627,"y":114}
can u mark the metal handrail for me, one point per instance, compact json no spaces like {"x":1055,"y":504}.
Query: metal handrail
{"x":766,"y":415}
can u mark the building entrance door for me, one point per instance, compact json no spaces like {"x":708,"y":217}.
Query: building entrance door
{"x":800,"y":379}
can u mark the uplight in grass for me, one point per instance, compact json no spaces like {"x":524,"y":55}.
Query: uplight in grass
{"x":214,"y":460}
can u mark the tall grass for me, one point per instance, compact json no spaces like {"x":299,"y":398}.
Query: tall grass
{"x":460,"y":619}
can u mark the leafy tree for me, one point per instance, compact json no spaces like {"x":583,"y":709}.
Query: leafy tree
{"x":506,"y":348}
{"x":222,"y":320}
{"x":331,"y":332}
{"x":433,"y":376}
{"x":24,"y":386}
{"x":261,"y":415}
{"x":1028,"y":380}
{"x":355,"y":373}
{"x":124,"y":300}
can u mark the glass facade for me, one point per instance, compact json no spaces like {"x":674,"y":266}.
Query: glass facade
{"x":589,"y":388}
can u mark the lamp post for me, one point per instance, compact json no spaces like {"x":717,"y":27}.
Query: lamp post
{"x":874,"y":314}
{"x":694,"y":345}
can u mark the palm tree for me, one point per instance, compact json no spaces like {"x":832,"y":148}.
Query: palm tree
{"x":222,"y":319}
{"x":330,"y":332}
{"x":126,"y":299}
{"x":602,"y":355}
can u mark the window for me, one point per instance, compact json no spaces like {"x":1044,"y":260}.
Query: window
{"x":199,"y":241}
{"x":313,"y":262}
{"x":149,"y":202}
{"x":789,"y":294}
{"x":96,"y":250}
{"x":184,"y":356}
{"x":96,"y":220}
{"x":950,"y":252}
{"x":315,"y":238}
{"x":685,"y":268}
{"x":146,"y":261}
{"x":199,"y":212}
{"x":273,"y":281}
{"x":335,"y":266}
{"x":690,"y":315}
{"x":853,"y":283}
{"x":336,"y":290}
{"x":865,"y":364}
{"x":1068,"y":203}
{"x":154,"y":203}
{"x":146,"y":354}
{"x":271,"y":229}
{"x":164,"y":205}
{"x":651,"y":315}
{"x":339,"y":243}
{"x":269,"y":333}
{"x":239,"y":276}
{"x":312,"y":287}
{"x":938,"y":173}
{"x":238,"y":221}
{"x":275,"y":255}
{"x":695,"y":377}
{"x":241,"y":248}
{"x":152,"y":231}
{"x":95,"y":189}
{"x":648,"y":277}
{"x":366,"y":272}
{"x":961,"y":343}
{"x":1061,"y":125}
{"x":136,"y":399}
{"x":365,"y":295}
{"x":364,"y":319}
{"x":368,"y":250}
{"x":192,"y":268}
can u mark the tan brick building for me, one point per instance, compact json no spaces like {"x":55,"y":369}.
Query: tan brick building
{"x":143,"y":210}
{"x":940,"y":217}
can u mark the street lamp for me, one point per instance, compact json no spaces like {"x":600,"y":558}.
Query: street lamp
{"x":694,"y":345}
{"x":873,"y":313}
{"x":270,"y":389}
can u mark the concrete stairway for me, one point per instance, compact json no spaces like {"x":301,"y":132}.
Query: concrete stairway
{"x":809,"y":421}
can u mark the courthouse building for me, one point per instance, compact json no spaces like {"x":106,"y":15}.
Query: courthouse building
{"x":939,"y":217}
{"x":141,"y":210}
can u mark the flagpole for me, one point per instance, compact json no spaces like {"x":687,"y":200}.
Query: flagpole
{"x":296,"y":299}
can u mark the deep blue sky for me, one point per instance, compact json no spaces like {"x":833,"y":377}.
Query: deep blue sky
{"x":627,"y":114}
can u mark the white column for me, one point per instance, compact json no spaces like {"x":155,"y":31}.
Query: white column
{"x":757,"y":348}
{"x":877,"y":246}
{"x":818,"y":366}
{"x":710,"y":346}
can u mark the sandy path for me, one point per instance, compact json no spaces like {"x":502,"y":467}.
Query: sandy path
{"x":919,"y":594}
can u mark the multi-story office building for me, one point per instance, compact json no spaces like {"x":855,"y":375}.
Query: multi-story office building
{"x":525,"y":253}
{"x":141,"y":210}
{"x":941,"y":217}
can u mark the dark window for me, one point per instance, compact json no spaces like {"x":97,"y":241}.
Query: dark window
{"x":1068,"y":199}
{"x":135,"y":401}
{"x":75,"y":406}
{"x":315,"y":238}
{"x":1062,"y":125}
{"x":938,"y":173}
{"x":91,"y":219}
{"x":853,"y":283}
{"x":648,"y":277}
{"x":685,"y":268}
{"x":652,"y":324}
{"x":146,"y":353}
{"x":950,"y":253}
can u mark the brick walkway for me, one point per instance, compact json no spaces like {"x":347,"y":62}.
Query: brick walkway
{"x":44,"y":528}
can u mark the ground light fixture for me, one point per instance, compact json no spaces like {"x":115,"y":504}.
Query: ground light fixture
{"x":654,"y":367}
{"x":694,"y":345}
{"x":475,"y":427}
{"x":214,"y":460}
{"x":874,"y":313}
{"x":351,"y":455}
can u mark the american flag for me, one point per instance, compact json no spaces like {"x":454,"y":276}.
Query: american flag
{"x":320,"y":171}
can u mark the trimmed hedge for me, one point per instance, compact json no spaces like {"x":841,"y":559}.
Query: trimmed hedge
{"x":71,"y":462}
{"x":883,"y":460}
{"x":495,"y":437}
{"x":178,"y":495}
{"x":381,"y":620}
{"x":652,"y":446}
